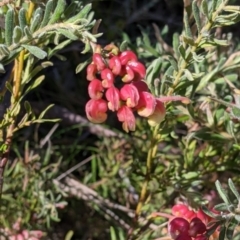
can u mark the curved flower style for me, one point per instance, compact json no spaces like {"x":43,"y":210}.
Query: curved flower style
{"x":96,"y":110}
{"x":126,"y":116}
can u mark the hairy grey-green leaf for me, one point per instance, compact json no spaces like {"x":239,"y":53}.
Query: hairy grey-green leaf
{"x":188,"y":40}
{"x":188,"y":75}
{"x":187,"y":28}
{"x":4,"y":50}
{"x":22,"y":18}
{"x":71,"y":9}
{"x":233,"y":188}
{"x":204,"y":8}
{"x":47,"y":13}
{"x":35,"y":83}
{"x":173,"y":62}
{"x":57,"y":38}
{"x":176,"y":44}
{"x":89,"y":36}
{"x":82,"y":14}
{"x":182,"y":51}
{"x":27,"y":32}
{"x":9,"y":26}
{"x":81,"y":66}
{"x":222,"y":192}
{"x":68,"y":34}
{"x":36,"y":51}
{"x":61,"y":4}
{"x":35,"y":24}
{"x":17,"y":34}
{"x":123,"y":45}
{"x":196,"y":14}
{"x":87,"y":47}
{"x":58,"y":47}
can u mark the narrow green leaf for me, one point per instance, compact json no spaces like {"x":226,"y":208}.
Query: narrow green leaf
{"x":176,"y":44}
{"x":123,"y":46}
{"x":188,"y":75}
{"x":22,"y":18}
{"x":27,"y":32}
{"x":68,"y":34}
{"x":222,"y":233}
{"x":87,"y":47}
{"x":69,"y":235}
{"x":233,"y":188}
{"x":196,"y":14}
{"x":44,"y":111}
{"x":28,"y":107}
{"x":204,"y":8}
{"x":17,"y":34}
{"x":35,"y":24}
{"x":188,"y":40}
{"x":173,"y":62}
{"x":208,"y":212}
{"x":81,"y":66}
{"x":47,"y":13}
{"x":221,"y":207}
{"x":36,"y":51}
{"x":9,"y":26}
{"x":222,"y":192}
{"x":61,"y":4}
{"x":4,"y":50}
{"x":58,"y":47}
{"x":182,"y":51}
{"x":230,"y":229}
{"x":235,"y":112}
{"x":36,"y":83}
{"x":113,"y":233}
{"x":82,"y":14}
{"x":187,"y":28}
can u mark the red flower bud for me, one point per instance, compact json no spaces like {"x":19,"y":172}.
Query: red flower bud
{"x":141,"y":86}
{"x":146,"y":104}
{"x":96,"y":110}
{"x":128,"y":74}
{"x":183,"y":236}
{"x":107,"y":78}
{"x":126,"y":116}
{"x":196,"y":227}
{"x":201,"y":237}
{"x":91,"y":71}
{"x":98,"y":60}
{"x":129,"y":93}
{"x":127,"y":56}
{"x":158,"y":115}
{"x":113,"y":96}
{"x":179,"y":210}
{"x":138,"y":69}
{"x":115,"y":65}
{"x":178,"y":226}
{"x":95,"y":89}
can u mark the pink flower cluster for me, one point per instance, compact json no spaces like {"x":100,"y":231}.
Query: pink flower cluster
{"x":116,"y":84}
{"x":188,"y":224}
